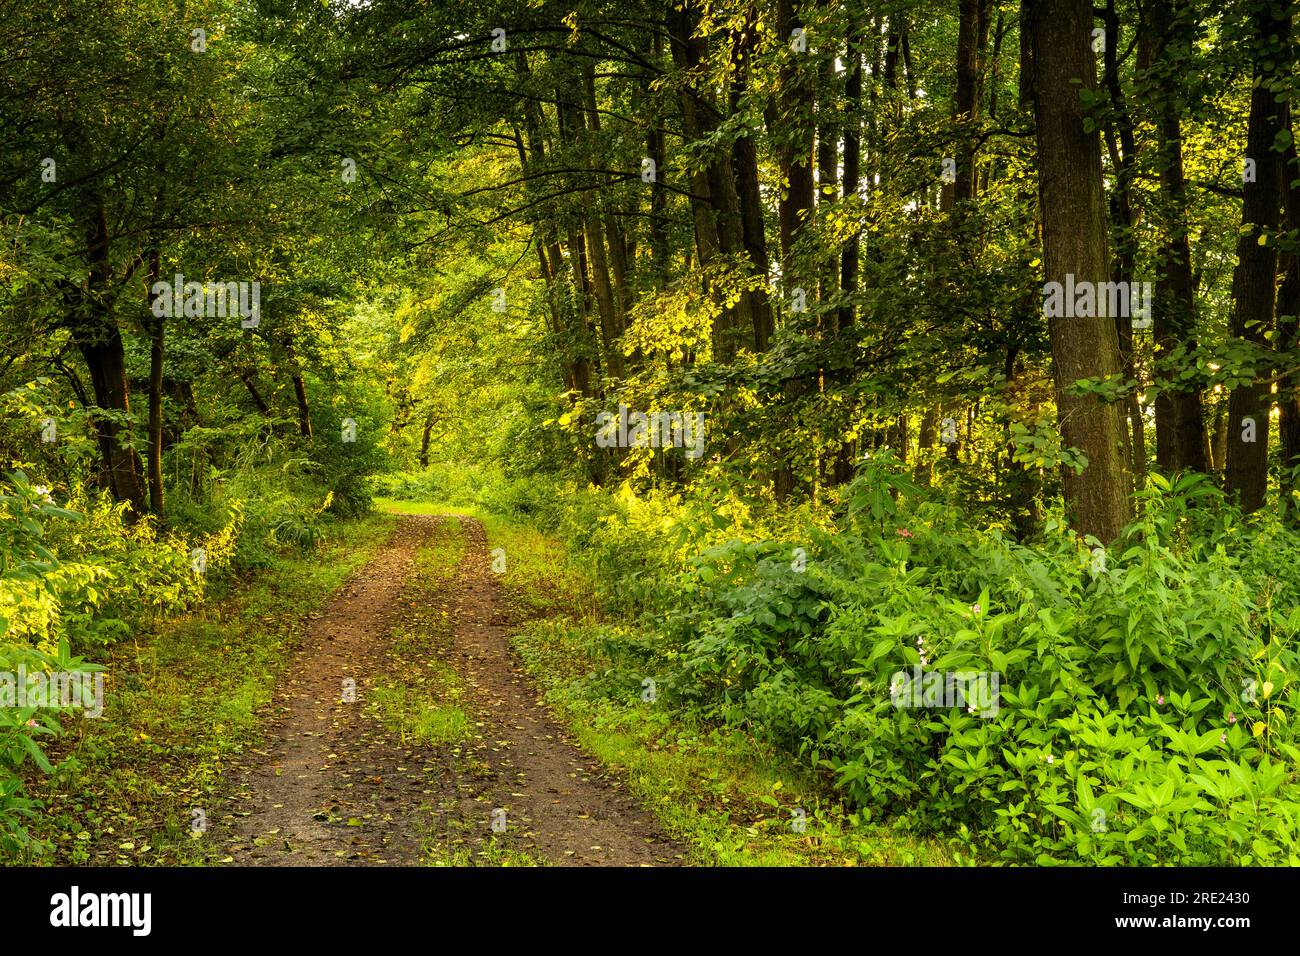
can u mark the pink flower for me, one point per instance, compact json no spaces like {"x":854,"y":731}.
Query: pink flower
{"x":1160,"y":701}
{"x":976,"y":608}
{"x":32,"y":722}
{"x":1223,"y":738}
{"x":1232,"y":718}
{"x":902,"y":532}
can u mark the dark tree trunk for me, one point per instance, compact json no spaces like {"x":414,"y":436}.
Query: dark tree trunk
{"x":100,"y":342}
{"x":792,"y":121}
{"x":1122,"y":147}
{"x":304,"y":410}
{"x":1073,"y":207}
{"x":850,"y":261}
{"x":254,"y":394}
{"x":972,"y":41}
{"x":157,"y":355}
{"x":1180,"y":423}
{"x":744,"y":161}
{"x":1246,"y":477}
{"x":1288,"y":341}
{"x":424,"y":441}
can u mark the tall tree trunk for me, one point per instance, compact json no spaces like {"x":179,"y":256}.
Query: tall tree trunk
{"x":1073,"y":206}
{"x":1180,"y":422}
{"x":1288,"y":341}
{"x":789,"y":118}
{"x":575,"y":367}
{"x":850,"y":261}
{"x":828,"y":166}
{"x":744,"y":161}
{"x":1122,"y":147}
{"x":1253,"y":281}
{"x":849,"y":258}
{"x":304,"y":410}
{"x":157,"y":353}
{"x":972,"y":41}
{"x":100,"y":343}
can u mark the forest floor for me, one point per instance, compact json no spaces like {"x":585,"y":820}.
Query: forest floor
{"x":405,"y":732}
{"x":485,"y":692}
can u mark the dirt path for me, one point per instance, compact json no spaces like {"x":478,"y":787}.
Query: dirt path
{"x":337,"y":787}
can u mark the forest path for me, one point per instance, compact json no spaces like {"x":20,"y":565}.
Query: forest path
{"x":338,"y":785}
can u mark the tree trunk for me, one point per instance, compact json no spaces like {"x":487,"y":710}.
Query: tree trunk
{"x":789,"y":118}
{"x":1122,"y":146}
{"x":1287,"y":342}
{"x":304,"y":411}
{"x":1180,"y":424}
{"x":157,"y":355}
{"x":792,"y":120}
{"x":972,"y":41}
{"x":1073,"y":207}
{"x":744,"y":161}
{"x":1256,"y":264}
{"x":254,"y":394}
{"x":923,"y":473}
{"x":1246,"y":477}
{"x":850,"y":261}
{"x":100,"y":342}
{"x":424,"y":440}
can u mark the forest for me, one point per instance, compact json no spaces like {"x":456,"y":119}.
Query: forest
{"x":674,"y":432}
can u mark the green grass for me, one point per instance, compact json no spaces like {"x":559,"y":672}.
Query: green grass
{"x":420,"y":697}
{"x":181,"y":704}
{"x":425,"y":707}
{"x":487,"y":853}
{"x":730,"y":800}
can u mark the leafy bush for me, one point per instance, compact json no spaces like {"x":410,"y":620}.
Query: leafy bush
{"x":32,"y":582}
{"x":1145,"y":712}
{"x":1146,"y":704}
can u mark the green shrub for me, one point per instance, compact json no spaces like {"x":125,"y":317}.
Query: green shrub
{"x":32,"y":586}
{"x":1146,"y":707}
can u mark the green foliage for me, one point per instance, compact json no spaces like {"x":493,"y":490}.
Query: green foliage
{"x":30,"y":585}
{"x":1153,"y":686}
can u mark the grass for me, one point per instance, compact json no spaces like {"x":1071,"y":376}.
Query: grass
{"x":182,"y":704}
{"x":730,"y":800}
{"x":405,"y":711}
{"x":488,"y":853}
{"x":419,"y":697}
